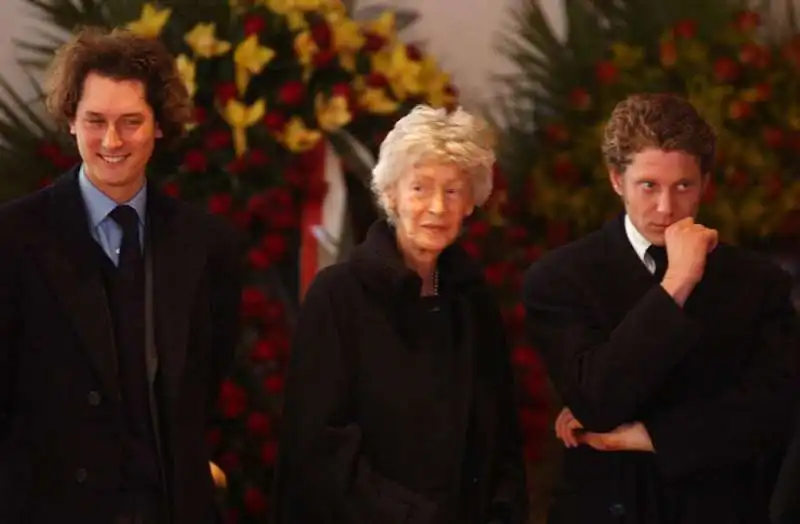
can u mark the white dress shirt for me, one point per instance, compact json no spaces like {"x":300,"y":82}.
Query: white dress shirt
{"x":640,"y":245}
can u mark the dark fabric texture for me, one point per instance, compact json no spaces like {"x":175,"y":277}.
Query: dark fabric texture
{"x":713,"y":382}
{"x":395,"y":412}
{"x":63,"y":420}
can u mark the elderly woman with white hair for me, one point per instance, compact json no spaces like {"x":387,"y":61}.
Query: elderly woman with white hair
{"x":400,"y":404}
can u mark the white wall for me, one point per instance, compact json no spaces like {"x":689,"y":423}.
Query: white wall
{"x":459,"y":32}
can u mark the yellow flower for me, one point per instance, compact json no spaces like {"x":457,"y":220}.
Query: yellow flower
{"x":298,"y":138}
{"x":383,"y":26}
{"x":333,"y":113}
{"x":203,"y":41}
{"x":250,"y":58}
{"x":402,"y":72}
{"x":220,"y":480}
{"x":305,"y":48}
{"x":187,"y":70}
{"x":240,"y":117}
{"x":436,"y":84}
{"x":375,"y":100}
{"x":626,"y":56}
{"x":347,"y":39}
{"x":151,"y":21}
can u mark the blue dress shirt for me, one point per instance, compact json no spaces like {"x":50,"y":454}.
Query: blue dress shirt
{"x":105,"y":231}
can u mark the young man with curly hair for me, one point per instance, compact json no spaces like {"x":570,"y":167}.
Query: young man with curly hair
{"x":118,"y":308}
{"x":671,"y":351}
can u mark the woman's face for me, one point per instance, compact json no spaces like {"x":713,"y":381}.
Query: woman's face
{"x":430,"y":202}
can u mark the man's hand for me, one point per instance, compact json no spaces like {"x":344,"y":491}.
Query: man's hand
{"x":688,"y":245}
{"x":567,"y":428}
{"x":627,"y":437}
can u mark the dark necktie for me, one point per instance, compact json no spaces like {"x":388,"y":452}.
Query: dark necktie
{"x":128,"y":307}
{"x":130,"y":251}
{"x":659,"y":256}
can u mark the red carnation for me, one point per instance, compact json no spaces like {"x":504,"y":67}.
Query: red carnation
{"x":292,"y":93}
{"x":253,"y":25}
{"x":232,"y":399}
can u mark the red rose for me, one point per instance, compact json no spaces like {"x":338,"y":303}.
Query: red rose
{"x":515,"y":316}
{"x":264,"y":350}
{"x":237,"y":166}
{"x":495,"y":274}
{"x":275,"y":121}
{"x":226,"y":91}
{"x":171,"y":189}
{"x":220,"y":204}
{"x":747,"y":21}
{"x":255,"y":502}
{"x":253,"y":25}
{"x":373,"y":42}
{"x":219,"y":139}
{"x":565,"y":172}
{"x":471,"y":248}
{"x":341,"y":89}
{"x":739,"y":109}
{"x":232,"y":399}
{"x":685,"y":28}
{"x":726,"y":70}
{"x":258,"y":424}
{"x":557,"y":133}
{"x":229,"y":462}
{"x":523,"y":356}
{"x":274,"y":244}
{"x":257,"y":158}
{"x":323,"y":58}
{"x":292,"y":93}
{"x":269,"y":452}
{"x":376,"y":80}
{"x":195,"y":161}
{"x":413,"y":53}
{"x":321,"y":34}
{"x":606,"y":72}
{"x":259,"y":259}
{"x":669,"y":53}
{"x":273,"y":384}
{"x":253,"y":302}
{"x":752,"y":54}
{"x":274,"y":313}
{"x":478,"y":229}
{"x":580,"y":99}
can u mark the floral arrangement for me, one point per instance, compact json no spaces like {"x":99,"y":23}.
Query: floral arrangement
{"x":745,"y":86}
{"x":273,"y":81}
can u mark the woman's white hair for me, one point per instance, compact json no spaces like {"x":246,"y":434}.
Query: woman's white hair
{"x":435,"y":136}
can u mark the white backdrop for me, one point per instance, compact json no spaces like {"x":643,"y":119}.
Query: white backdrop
{"x":459,"y":32}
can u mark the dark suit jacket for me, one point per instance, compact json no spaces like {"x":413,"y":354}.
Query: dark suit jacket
{"x":60,"y":413}
{"x":711,"y":382}
{"x":785,"y":503}
{"x":353,"y":444}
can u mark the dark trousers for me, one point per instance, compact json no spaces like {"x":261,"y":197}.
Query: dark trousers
{"x":141,"y":508}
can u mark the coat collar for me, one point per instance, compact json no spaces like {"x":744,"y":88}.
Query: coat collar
{"x":380,"y":265}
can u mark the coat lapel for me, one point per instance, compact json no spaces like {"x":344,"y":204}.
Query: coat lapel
{"x":179,"y":255}
{"x":70,"y":262}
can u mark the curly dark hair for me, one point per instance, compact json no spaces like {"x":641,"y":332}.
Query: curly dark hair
{"x":664,"y":121}
{"x":119,"y":55}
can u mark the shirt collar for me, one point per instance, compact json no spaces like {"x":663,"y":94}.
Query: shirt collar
{"x":637,"y":240}
{"x":99,"y":205}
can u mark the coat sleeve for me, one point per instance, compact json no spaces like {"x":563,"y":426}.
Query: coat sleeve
{"x":509,"y":502}
{"x":9,"y":283}
{"x":226,"y":292}
{"x":744,"y":421}
{"x":323,"y":476}
{"x":604,"y":375}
